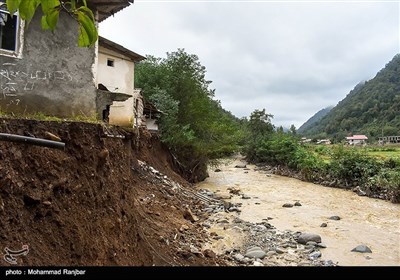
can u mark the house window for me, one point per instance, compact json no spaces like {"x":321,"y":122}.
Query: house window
{"x":10,"y":32}
{"x":110,"y":62}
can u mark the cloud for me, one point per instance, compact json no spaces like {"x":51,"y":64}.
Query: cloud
{"x":291,"y":58}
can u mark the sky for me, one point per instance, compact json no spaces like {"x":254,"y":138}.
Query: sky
{"x":292,"y":58}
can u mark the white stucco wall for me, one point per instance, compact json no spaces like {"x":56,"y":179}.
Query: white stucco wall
{"x":119,"y":78}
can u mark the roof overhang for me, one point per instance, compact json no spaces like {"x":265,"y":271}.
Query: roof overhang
{"x":107,"y":8}
{"x":103,"y":42}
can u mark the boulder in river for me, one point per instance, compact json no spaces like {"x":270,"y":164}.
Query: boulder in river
{"x":323,"y":225}
{"x":297,"y":203}
{"x":217,"y":170}
{"x":362,"y":249}
{"x":305,"y":237}
{"x":335,"y":218}
{"x":287,"y":205}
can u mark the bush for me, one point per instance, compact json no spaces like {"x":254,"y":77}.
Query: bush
{"x":352,"y":166}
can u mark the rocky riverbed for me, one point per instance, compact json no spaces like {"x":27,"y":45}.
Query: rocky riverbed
{"x":257,"y":244}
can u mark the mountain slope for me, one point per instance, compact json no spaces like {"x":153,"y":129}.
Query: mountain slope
{"x":371,"y":108}
{"x":315,"y":118}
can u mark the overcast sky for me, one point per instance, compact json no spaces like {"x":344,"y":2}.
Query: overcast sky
{"x":292,"y":58}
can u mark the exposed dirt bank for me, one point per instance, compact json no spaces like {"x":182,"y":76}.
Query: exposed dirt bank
{"x":101,"y":201}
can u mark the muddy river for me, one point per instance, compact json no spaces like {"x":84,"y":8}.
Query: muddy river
{"x":368,"y":221}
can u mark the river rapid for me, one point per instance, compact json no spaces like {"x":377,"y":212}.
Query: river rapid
{"x":363,"y":220}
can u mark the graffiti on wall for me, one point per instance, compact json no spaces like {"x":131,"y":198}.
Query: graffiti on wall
{"x":13,"y":81}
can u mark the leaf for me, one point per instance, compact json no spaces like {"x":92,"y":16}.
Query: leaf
{"x":83,"y":40}
{"x":27,"y":9}
{"x":12,"y":5}
{"x":88,"y":11}
{"x":87,"y":31}
{"x":45,"y":26}
{"x":49,"y":5}
{"x":52,"y":19}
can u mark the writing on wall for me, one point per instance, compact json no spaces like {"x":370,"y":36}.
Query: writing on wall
{"x":13,"y":81}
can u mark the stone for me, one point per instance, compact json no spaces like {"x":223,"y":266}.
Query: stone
{"x":254,"y":248}
{"x":222,"y":221}
{"x":335,"y":218}
{"x":271,"y":253}
{"x":287,"y":205}
{"x":234,"y":190}
{"x":323,"y":225}
{"x":209,"y":253}
{"x":362,"y":249}
{"x":315,"y":255}
{"x":244,"y":196}
{"x":234,"y":209}
{"x":321,"y":245}
{"x":260,"y":254}
{"x":257,"y":263}
{"x":238,"y":257}
{"x":279,"y":250}
{"x":47,"y":203}
{"x":103,"y":154}
{"x":183,"y":228}
{"x":217,"y":170}
{"x":194,"y":250}
{"x":206,"y":225}
{"x":218,"y":237}
{"x":51,"y":136}
{"x":313,"y":243}
{"x":240,"y":166}
{"x":188,"y":215}
{"x":297,"y":203}
{"x":305,"y":237}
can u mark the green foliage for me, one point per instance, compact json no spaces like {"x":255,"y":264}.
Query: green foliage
{"x":194,"y":126}
{"x":371,"y":108}
{"x":353,"y":166}
{"x":390,"y":180}
{"x":51,"y":10}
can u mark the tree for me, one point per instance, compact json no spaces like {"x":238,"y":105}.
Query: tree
{"x":293,"y":130}
{"x":194,"y":126}
{"x":51,"y":9}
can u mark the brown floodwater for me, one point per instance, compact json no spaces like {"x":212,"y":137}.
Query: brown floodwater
{"x":364,"y":220}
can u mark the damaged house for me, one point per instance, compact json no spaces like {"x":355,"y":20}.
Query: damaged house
{"x":47,"y":72}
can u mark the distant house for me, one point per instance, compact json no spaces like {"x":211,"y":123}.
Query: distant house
{"x":115,"y":76}
{"x":305,"y":140}
{"x":324,"y":142}
{"x":356,"y":140}
{"x":389,"y":139}
{"x":46,"y":72}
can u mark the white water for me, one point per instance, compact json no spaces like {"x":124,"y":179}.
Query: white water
{"x":368,"y":221}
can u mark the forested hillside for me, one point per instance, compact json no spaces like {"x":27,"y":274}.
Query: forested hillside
{"x":371,"y":108}
{"x":315,"y":118}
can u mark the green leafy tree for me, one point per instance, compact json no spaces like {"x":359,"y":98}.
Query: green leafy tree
{"x":293,"y":130}
{"x":194,"y":126}
{"x":51,"y":9}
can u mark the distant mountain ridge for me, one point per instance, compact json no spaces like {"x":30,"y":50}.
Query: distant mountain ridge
{"x":315,"y":118}
{"x":371,"y":108}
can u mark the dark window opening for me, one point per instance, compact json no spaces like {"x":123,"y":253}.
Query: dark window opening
{"x":110,"y":62}
{"x":8,"y":31}
{"x":106,"y":114}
